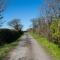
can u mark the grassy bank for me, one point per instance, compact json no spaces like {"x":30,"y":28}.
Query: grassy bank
{"x":6,"y":48}
{"x":50,"y":47}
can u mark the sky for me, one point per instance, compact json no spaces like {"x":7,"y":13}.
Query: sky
{"x":22,"y":9}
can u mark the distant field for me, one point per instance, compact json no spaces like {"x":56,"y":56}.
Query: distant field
{"x":50,"y":47}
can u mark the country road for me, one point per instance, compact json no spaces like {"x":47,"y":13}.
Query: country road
{"x":28,"y":49}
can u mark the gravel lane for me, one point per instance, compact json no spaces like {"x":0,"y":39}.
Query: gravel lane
{"x":28,"y":49}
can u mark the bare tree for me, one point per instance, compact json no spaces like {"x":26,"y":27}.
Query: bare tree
{"x":2,"y":8}
{"x":54,"y":7}
{"x":16,"y":24}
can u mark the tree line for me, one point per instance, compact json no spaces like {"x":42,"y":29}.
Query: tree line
{"x":48,"y":25}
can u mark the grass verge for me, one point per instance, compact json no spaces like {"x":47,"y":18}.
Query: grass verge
{"x":6,"y":48}
{"x":52,"y":49}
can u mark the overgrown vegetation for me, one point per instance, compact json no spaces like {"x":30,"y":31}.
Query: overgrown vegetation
{"x":50,"y":30}
{"x":55,"y":31}
{"x":6,"y":48}
{"x":49,"y":24}
{"x":8,"y":36}
{"x":52,"y":48}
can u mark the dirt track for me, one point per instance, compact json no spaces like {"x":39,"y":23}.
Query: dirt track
{"x":28,"y":49}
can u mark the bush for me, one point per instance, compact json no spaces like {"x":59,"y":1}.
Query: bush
{"x":55,"y":31}
{"x":8,"y":36}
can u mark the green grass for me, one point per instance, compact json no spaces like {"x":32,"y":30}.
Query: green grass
{"x":6,"y":48}
{"x":50,"y":47}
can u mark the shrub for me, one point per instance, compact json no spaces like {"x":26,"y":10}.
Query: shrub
{"x":8,"y":36}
